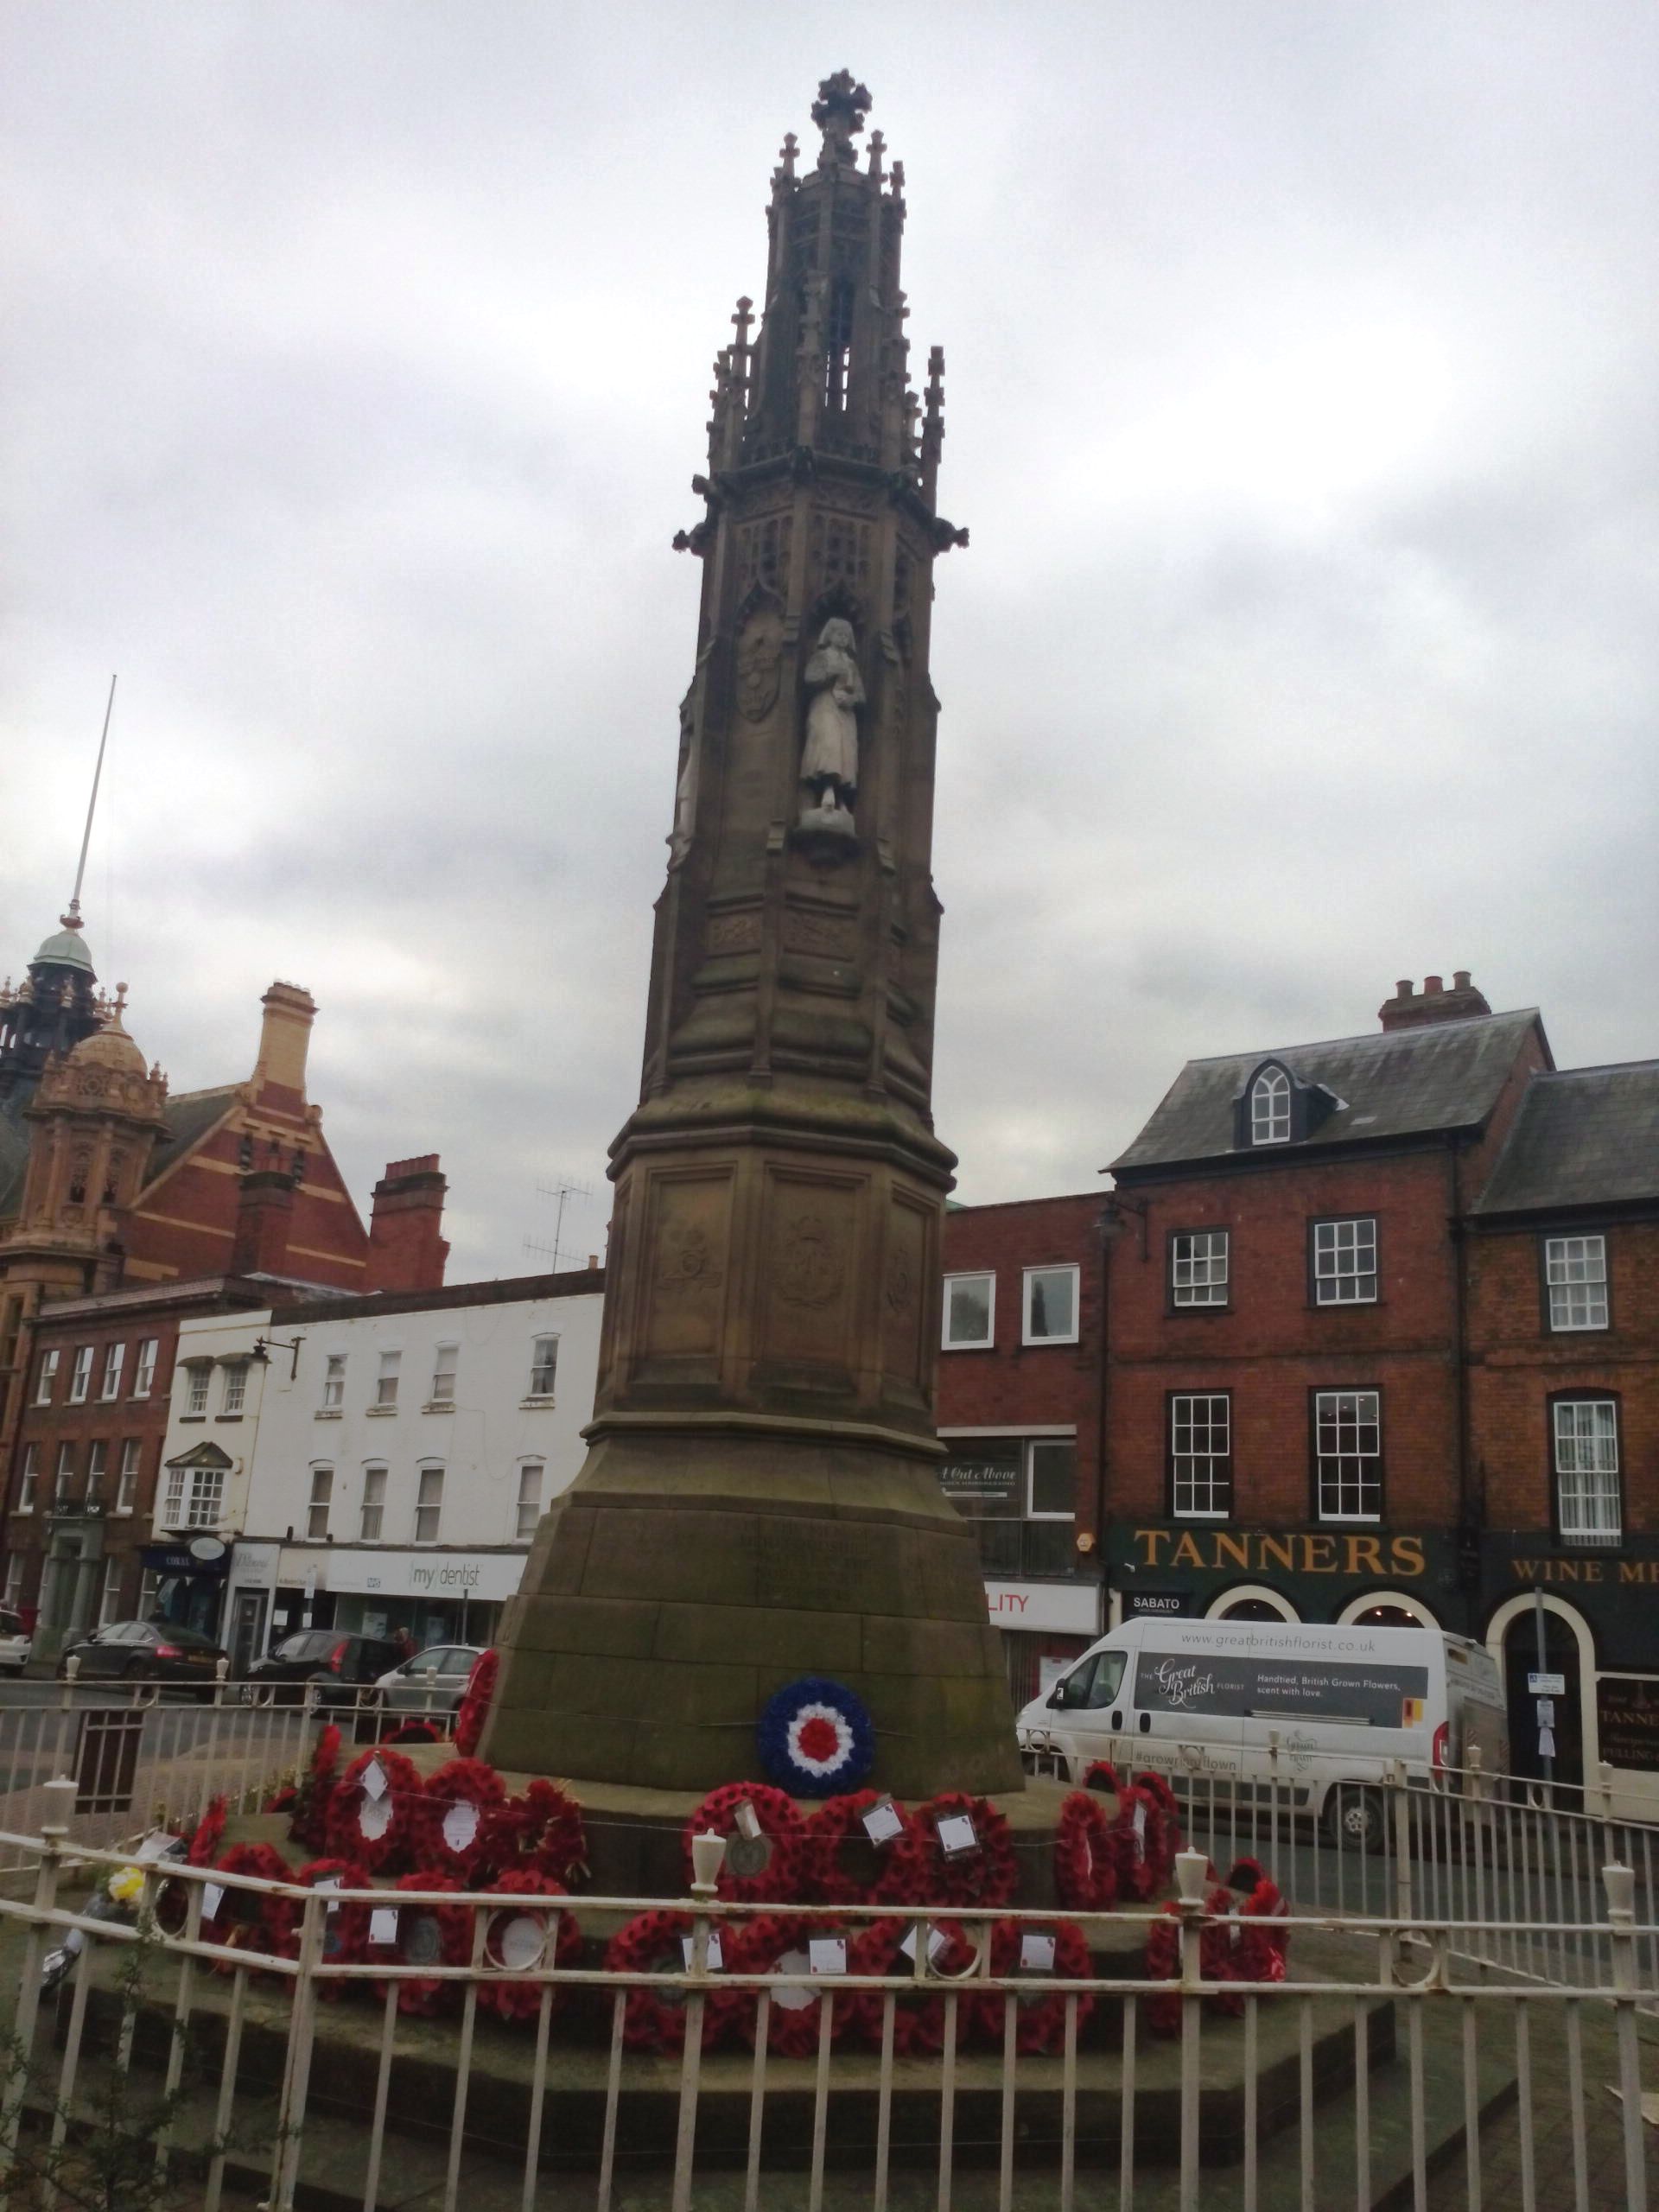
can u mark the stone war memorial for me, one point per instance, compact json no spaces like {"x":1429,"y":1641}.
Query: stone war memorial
{"x":759,"y":1503}
{"x":727,"y":1871}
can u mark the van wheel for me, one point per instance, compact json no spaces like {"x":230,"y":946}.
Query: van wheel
{"x":1353,"y":1818}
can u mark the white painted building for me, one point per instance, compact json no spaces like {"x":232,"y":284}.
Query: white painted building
{"x":399,"y":1453}
{"x":203,"y":1484}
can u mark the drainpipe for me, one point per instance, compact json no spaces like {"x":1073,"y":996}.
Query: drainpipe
{"x":1466,"y":1531}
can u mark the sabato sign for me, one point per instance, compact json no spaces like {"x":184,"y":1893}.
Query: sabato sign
{"x":1394,"y":1559}
{"x":1071,"y":1609}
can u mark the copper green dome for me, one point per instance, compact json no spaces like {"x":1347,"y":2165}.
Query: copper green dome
{"x":65,"y":949}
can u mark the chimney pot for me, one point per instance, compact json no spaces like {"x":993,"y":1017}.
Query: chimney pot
{"x":1460,"y":979}
{"x":1432,"y":986}
{"x":1402,"y":989}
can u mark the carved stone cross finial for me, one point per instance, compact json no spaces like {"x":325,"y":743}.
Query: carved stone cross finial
{"x":878,"y":147}
{"x":786,"y":154}
{"x":743,"y":319}
{"x":839,"y":112}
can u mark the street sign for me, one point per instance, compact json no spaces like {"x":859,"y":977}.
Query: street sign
{"x":1546,"y":1685}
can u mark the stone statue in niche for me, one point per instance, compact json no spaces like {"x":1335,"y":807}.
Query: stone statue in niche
{"x":829,"y":758}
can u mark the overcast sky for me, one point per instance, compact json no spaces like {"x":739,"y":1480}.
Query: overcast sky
{"x":1300,"y":401}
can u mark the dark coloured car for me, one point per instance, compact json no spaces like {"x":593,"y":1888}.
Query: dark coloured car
{"x":341,"y":1662}
{"x":144,"y":1651}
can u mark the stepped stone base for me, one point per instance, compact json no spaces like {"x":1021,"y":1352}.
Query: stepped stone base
{"x":685,"y":1578}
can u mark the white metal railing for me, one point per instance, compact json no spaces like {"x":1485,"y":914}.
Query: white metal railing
{"x":1516,"y":1863}
{"x":1369,"y":2069}
{"x":150,"y":1755}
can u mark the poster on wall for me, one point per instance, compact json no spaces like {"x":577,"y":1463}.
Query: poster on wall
{"x":1627,"y":1714}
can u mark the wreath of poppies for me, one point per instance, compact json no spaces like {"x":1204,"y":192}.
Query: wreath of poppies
{"x":777,"y":1943}
{"x":428,"y":1936}
{"x":251,"y":1920}
{"x":1086,"y":1860}
{"x":653,"y":2018}
{"x":345,"y":1926}
{"x":764,"y":1869}
{"x":540,"y":1832}
{"x":900,"y":1866}
{"x":1138,"y":1837}
{"x":209,"y":1834}
{"x":414,"y":1730}
{"x":1216,"y":1960}
{"x":376,"y":1832}
{"x":917,"y":2022}
{"x":1163,"y":1823}
{"x":520,"y":1940}
{"x":1039,"y":2022}
{"x":815,"y":1737}
{"x":474,"y":1707}
{"x":1262,"y":1942}
{"x":988,"y":1876}
{"x":309,"y":1825}
{"x":451,"y":1829}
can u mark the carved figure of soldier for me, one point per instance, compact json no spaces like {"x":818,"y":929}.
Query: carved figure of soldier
{"x":830,"y":760}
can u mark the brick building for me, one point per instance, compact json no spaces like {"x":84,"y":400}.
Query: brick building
{"x":1286,"y":1393}
{"x":1381,"y":1328}
{"x":112,"y":1188}
{"x":1563,"y":1301}
{"x":1019,"y":1403}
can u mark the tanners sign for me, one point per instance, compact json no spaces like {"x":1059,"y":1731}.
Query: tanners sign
{"x":1250,"y":1551}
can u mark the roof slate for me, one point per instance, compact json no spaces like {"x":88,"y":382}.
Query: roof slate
{"x":189,"y":1117}
{"x":1586,"y":1136}
{"x":1413,"y":1082}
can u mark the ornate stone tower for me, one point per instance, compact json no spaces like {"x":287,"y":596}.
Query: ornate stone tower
{"x":760,"y":1499}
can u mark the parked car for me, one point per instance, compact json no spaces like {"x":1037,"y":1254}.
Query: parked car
{"x":15,"y":1642}
{"x":432,"y":1681}
{"x":144,"y":1651}
{"x":341,"y":1660}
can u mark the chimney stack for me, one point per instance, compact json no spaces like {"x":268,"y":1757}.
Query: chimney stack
{"x":283,"y":1041}
{"x":407,"y":1250}
{"x":1410,"y":1009}
{"x":264,"y":1210}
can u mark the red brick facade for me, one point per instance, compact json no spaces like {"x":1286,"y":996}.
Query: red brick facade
{"x":1014,"y":1408}
{"x":1488,"y":1169}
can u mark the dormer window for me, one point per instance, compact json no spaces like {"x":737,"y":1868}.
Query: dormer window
{"x":1277,"y":1106}
{"x":1270,"y":1108}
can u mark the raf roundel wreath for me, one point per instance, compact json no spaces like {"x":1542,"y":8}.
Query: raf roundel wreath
{"x":815,"y":1738}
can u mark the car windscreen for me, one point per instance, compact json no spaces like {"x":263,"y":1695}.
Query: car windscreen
{"x":1367,"y":1693}
{"x":309,"y":1645}
{"x":1094,"y":1683}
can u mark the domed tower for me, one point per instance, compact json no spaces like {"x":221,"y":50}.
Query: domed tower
{"x":760,"y":1498}
{"x":96,"y":1115}
{"x":52,"y":1010}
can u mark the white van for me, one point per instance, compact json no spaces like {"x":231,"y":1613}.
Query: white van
{"x":1304,"y":1717}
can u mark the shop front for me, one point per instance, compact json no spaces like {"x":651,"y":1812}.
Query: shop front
{"x":1045,"y":1626}
{"x":191,"y":1574}
{"x":1586,"y":1624}
{"x":1380,"y":1577}
{"x":438,"y":1597}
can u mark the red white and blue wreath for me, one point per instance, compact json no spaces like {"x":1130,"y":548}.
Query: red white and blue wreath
{"x":815,"y":1738}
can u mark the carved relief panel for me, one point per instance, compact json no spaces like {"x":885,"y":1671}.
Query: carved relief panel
{"x":686,"y":1261}
{"x":810,"y":1262}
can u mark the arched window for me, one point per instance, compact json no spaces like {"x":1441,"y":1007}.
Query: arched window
{"x":1270,"y":1108}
